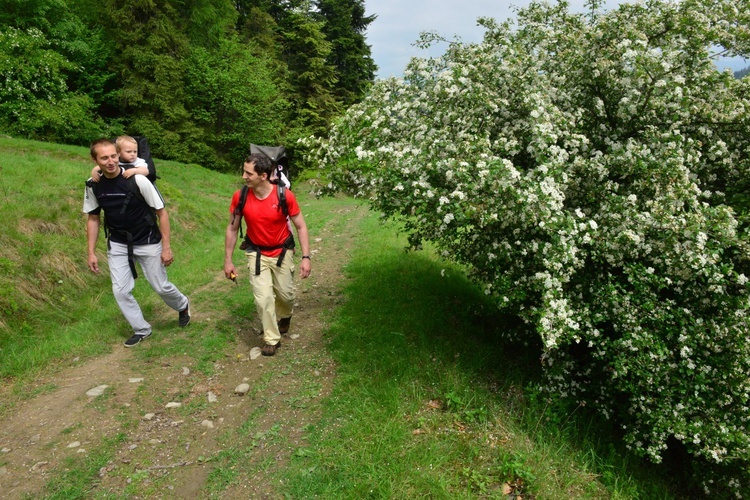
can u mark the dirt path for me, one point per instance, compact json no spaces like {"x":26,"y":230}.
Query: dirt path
{"x":158,"y":452}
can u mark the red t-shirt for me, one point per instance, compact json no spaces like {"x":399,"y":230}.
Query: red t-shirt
{"x":266,"y":224}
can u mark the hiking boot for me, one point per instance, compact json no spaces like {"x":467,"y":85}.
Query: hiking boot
{"x":136,"y":339}
{"x":184,"y":319}
{"x":270,"y":349}
{"x":283,"y":324}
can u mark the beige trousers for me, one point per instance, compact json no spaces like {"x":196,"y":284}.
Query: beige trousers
{"x":273,"y":291}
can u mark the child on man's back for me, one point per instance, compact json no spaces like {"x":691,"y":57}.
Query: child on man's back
{"x":127,"y":148}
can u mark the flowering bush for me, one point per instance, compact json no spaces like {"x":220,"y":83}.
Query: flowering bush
{"x":590,"y":170}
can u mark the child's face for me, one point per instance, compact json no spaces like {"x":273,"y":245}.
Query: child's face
{"x":128,"y":152}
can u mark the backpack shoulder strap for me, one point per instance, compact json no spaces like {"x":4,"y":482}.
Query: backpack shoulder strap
{"x":94,"y":187}
{"x":133,"y":187}
{"x":241,"y":207}
{"x":282,"y":200}
{"x":243,"y":199}
{"x":133,"y":190}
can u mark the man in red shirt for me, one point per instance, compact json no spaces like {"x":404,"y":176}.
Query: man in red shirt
{"x":271,"y":265}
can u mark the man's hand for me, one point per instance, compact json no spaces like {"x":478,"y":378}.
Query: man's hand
{"x":229,"y":271}
{"x":94,"y":263}
{"x":166,"y":256}
{"x":304,"y":268}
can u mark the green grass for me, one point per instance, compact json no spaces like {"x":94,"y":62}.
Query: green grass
{"x":429,"y":400}
{"x":81,"y":470}
{"x":45,"y":285}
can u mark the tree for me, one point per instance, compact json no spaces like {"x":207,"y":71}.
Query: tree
{"x":208,"y":22}
{"x":233,"y":98}
{"x":46,"y":92}
{"x":129,"y":62}
{"x":290,"y":33}
{"x":589,"y":170}
{"x":306,"y":52}
{"x":151,"y":48}
{"x":344,"y":26}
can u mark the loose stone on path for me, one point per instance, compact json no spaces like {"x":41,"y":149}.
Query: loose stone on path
{"x":38,"y":466}
{"x":96,"y":391}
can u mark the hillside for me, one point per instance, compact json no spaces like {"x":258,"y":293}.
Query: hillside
{"x":62,"y":336}
{"x":391,"y":383}
{"x":45,"y":284}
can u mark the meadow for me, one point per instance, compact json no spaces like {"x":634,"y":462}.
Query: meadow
{"x":402,"y":390}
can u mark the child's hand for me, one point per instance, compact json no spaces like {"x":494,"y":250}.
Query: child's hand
{"x":129,"y":173}
{"x":96,"y":174}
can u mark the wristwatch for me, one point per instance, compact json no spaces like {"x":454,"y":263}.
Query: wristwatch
{"x":306,"y":257}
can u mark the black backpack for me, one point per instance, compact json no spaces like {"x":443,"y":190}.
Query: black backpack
{"x":248,"y":245}
{"x":150,"y":220}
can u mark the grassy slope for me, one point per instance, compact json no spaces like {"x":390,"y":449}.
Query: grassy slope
{"x":50,"y":304}
{"x":427,"y":402}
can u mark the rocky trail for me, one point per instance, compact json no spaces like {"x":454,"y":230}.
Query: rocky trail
{"x":163,"y":426}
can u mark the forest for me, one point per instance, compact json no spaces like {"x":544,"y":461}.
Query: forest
{"x":201,"y":79}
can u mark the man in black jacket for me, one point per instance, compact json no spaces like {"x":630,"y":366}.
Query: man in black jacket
{"x":137,"y":226}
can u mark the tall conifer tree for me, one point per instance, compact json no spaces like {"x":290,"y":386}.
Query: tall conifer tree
{"x":345,"y":24}
{"x":151,"y":47}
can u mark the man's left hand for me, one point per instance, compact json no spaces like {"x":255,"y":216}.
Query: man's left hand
{"x":304,"y":268}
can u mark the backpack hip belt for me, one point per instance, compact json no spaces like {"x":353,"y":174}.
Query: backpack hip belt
{"x":252,"y":247}
{"x":129,"y":238}
{"x":127,"y":234}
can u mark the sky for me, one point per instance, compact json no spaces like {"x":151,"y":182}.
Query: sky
{"x":398,"y":25}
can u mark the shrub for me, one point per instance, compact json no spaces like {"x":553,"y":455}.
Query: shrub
{"x":589,"y":169}
{"x":34,"y":98}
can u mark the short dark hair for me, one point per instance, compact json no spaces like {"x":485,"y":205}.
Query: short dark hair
{"x":262,"y":163}
{"x":99,"y":142}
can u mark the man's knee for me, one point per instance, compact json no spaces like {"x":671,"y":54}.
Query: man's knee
{"x":263,"y":298}
{"x":285,"y":295}
{"x":122,"y":290}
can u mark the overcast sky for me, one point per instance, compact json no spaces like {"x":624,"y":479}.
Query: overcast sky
{"x":399,"y":22}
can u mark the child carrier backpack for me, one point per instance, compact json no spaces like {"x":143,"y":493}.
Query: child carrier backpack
{"x":145,"y":152}
{"x":150,"y":220}
{"x":279,"y":177}
{"x":277,"y":155}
